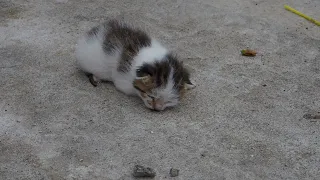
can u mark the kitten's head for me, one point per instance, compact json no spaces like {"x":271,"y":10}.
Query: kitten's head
{"x":161,"y":84}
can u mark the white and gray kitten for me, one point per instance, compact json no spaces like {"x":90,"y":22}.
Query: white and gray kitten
{"x":134,"y":62}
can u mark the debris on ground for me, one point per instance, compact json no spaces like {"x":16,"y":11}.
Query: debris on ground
{"x":302,"y":15}
{"x":248,"y":52}
{"x":174,"y":172}
{"x":141,"y":171}
{"x":311,"y":116}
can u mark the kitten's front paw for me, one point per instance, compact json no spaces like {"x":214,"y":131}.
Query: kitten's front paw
{"x":93,"y":80}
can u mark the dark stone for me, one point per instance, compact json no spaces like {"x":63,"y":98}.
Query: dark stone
{"x":311,"y":116}
{"x":141,"y":171}
{"x":174,"y":172}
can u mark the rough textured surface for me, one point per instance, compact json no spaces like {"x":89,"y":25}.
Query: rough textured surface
{"x":243,"y":121}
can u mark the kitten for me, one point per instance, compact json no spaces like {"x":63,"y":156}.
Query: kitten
{"x":134,"y":62}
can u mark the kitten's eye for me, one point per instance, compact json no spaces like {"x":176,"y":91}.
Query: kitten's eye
{"x":150,"y":96}
{"x":139,"y":73}
{"x":144,"y":71}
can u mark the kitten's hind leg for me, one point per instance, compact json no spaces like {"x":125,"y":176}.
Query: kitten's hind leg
{"x":93,"y":80}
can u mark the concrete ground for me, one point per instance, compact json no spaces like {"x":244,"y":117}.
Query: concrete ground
{"x":245,"y":120}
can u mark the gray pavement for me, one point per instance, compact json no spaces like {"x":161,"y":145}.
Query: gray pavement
{"x":245,"y":120}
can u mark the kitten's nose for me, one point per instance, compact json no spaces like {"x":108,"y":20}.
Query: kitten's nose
{"x":158,"y":106}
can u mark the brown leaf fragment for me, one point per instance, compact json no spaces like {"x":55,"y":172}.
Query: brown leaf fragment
{"x":248,"y":52}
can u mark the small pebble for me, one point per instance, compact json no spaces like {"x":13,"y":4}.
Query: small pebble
{"x":174,"y":172}
{"x":141,"y":171}
{"x":81,"y":160}
{"x":311,"y":116}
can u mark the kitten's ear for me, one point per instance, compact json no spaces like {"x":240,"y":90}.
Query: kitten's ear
{"x":188,"y":84}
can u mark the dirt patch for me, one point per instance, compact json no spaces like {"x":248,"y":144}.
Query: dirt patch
{"x":9,"y":11}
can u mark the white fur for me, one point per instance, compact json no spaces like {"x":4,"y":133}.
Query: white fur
{"x":155,"y":52}
{"x":94,"y":60}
